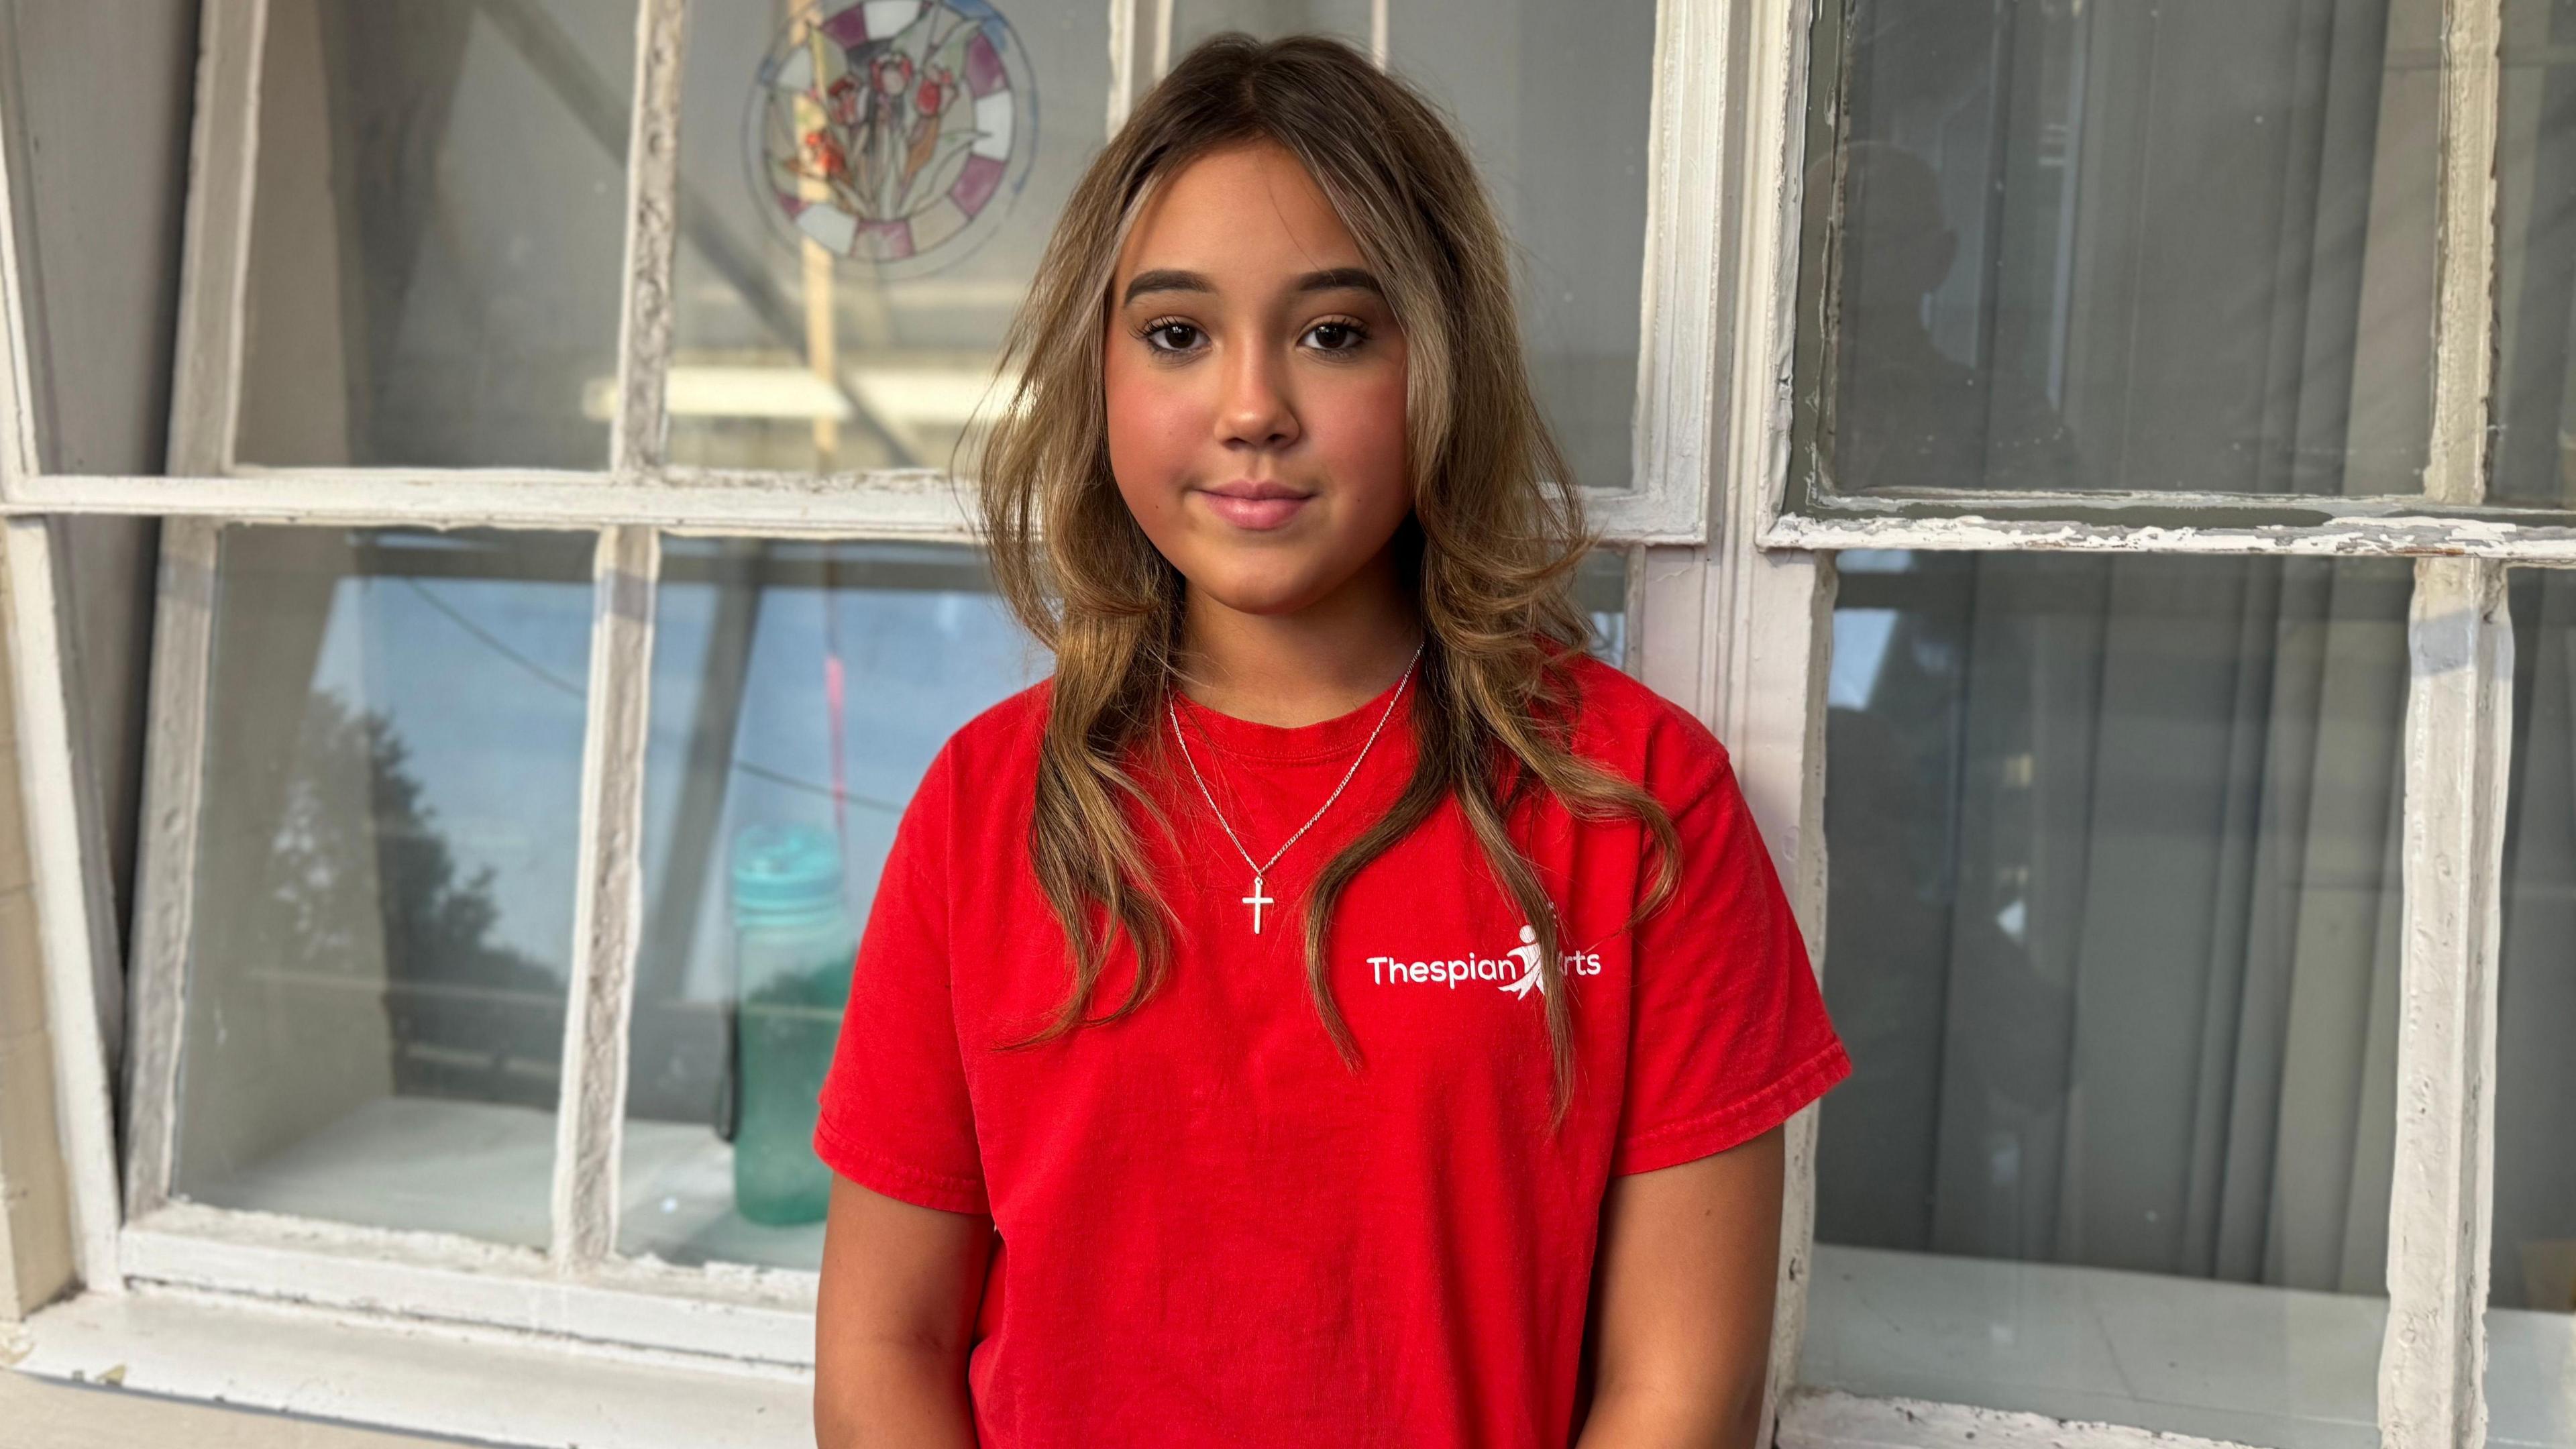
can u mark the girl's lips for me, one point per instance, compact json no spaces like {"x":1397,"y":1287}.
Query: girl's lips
{"x":1257,"y":513}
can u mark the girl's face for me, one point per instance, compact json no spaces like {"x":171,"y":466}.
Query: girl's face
{"x":1255,"y":386}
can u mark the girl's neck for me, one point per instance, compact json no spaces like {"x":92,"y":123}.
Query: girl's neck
{"x":1295,"y":669}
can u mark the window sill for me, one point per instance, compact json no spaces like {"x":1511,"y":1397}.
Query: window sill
{"x":484,"y":1384}
{"x":485,"y":1172}
{"x":2228,"y":1363}
{"x":1899,"y":1345}
{"x":1900,"y":1371}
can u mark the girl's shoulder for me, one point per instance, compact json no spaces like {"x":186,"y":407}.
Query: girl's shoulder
{"x":982,"y":767}
{"x":1625,"y":726}
{"x":1002,"y":740}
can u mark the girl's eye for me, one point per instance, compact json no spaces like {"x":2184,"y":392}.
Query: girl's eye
{"x":1337,"y":336}
{"x":1169,"y":335}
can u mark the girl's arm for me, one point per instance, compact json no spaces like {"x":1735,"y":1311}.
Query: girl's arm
{"x":894,"y":1317}
{"x":1688,"y":1262}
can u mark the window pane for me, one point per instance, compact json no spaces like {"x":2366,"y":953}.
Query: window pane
{"x":2535,"y":400}
{"x":1552,"y":101}
{"x":2113,"y":938}
{"x":1196,"y":20}
{"x":98,"y":119}
{"x":2187,"y":245}
{"x":437,"y":238}
{"x":1601,"y":592}
{"x":827,"y":320}
{"x":758,"y":870}
{"x":2531,"y":1288}
{"x":383,"y":915}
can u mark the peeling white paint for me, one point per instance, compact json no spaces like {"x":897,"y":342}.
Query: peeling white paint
{"x":2464,"y":317}
{"x":764,"y":1316}
{"x":166,"y":868}
{"x":892,"y":504}
{"x":652,"y":239}
{"x":2459,"y":720}
{"x":485,"y":1385}
{"x":2367,"y":537}
{"x":214,"y":274}
{"x":608,"y":909}
{"x":1829,"y":1420}
{"x":2249,"y":508}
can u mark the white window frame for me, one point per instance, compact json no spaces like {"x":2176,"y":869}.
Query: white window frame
{"x":1730,"y":599}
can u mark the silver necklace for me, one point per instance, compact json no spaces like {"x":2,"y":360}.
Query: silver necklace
{"x":1260,"y":869}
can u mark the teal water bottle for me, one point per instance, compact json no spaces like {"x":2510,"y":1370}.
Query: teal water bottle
{"x":793,"y":944}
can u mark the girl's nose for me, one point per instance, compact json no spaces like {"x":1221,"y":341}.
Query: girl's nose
{"x":1255,"y":410}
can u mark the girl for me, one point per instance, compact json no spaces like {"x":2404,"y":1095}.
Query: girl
{"x":1333,"y":1009}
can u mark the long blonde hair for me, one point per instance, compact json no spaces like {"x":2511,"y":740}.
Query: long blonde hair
{"x":1490,"y":551}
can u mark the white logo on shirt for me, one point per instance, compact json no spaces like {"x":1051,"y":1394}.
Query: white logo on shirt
{"x":1515,"y":971}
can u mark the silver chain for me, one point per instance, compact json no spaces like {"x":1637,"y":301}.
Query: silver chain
{"x":1260,"y":870}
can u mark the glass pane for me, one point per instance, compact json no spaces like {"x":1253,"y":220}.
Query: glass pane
{"x":1552,"y":101}
{"x":1601,"y":591}
{"x":438,"y":233}
{"x":2114,"y":941}
{"x":866,"y":188}
{"x":98,"y":112}
{"x":799,"y":691}
{"x":2187,"y":245}
{"x":2535,"y":399}
{"x":1196,"y":20}
{"x":375,"y":1004}
{"x":2531,"y":1290}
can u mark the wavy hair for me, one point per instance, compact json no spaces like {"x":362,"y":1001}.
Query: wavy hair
{"x":1490,"y":551}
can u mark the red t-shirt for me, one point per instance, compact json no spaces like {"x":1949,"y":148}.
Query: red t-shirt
{"x":1212,"y":1231}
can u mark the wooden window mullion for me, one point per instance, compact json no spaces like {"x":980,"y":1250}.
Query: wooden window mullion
{"x":608,"y":882}
{"x":2458,"y":743}
{"x":2459,"y":715}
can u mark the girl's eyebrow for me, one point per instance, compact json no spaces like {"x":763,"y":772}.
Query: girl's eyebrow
{"x":1341,"y":279}
{"x":1332,"y":279}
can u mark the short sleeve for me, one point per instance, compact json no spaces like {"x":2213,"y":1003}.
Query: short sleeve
{"x":1728,"y":1033}
{"x":895,"y":1115}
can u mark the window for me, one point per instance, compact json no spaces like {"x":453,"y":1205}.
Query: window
{"x":2097,"y":465}
{"x":375,"y":995}
{"x":2166,"y":801}
{"x":2113,"y":922}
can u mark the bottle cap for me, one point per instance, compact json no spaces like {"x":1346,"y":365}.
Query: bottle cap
{"x":786,"y":878}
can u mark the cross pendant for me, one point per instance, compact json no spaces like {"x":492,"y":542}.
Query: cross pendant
{"x":1257,"y":900}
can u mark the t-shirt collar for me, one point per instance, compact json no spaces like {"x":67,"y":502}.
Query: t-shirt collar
{"x":1288,"y":744}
